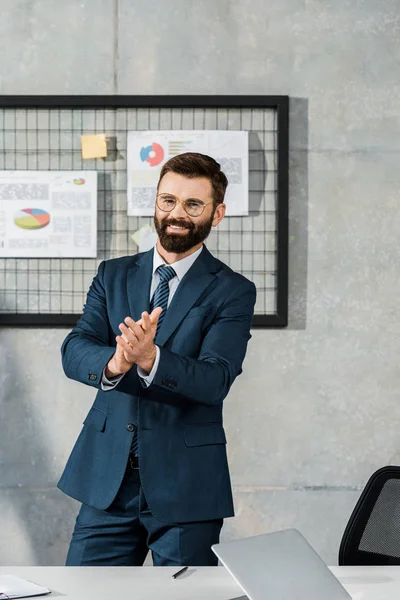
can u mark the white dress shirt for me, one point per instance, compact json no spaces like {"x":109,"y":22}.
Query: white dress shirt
{"x":181,"y":267}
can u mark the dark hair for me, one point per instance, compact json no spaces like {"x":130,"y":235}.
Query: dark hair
{"x":194,"y":164}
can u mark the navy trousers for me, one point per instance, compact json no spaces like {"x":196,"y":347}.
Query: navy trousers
{"x":123,"y":534}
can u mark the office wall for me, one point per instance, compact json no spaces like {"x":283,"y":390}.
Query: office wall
{"x":315,"y":411}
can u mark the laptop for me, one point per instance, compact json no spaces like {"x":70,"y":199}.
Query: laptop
{"x":279,"y":566}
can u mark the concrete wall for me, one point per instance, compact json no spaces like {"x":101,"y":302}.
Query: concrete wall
{"x":315,"y":411}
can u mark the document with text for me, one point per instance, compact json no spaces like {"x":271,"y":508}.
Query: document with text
{"x":48,"y":214}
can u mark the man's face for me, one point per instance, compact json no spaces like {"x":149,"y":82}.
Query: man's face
{"x":177,"y":231}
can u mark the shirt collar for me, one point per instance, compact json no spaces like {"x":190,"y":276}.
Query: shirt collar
{"x":181,"y":267}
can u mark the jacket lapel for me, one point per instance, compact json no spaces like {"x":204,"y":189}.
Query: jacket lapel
{"x":138,"y":284}
{"x":199,"y":277}
{"x":193,"y":285}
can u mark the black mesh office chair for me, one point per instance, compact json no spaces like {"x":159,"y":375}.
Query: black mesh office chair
{"x":372,"y":535}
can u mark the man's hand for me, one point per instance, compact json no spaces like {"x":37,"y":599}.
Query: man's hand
{"x":117,"y":365}
{"x":135,"y":345}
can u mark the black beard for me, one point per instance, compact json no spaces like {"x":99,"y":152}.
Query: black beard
{"x":178,"y":244}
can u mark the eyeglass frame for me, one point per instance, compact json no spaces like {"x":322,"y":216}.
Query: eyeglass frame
{"x":183,"y":202}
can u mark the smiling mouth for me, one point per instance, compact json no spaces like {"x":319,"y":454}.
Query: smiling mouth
{"x":176,"y":228}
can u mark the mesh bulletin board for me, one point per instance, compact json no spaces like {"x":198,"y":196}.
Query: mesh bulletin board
{"x":43,"y":133}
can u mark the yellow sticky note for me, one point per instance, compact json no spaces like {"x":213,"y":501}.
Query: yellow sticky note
{"x":94,"y":146}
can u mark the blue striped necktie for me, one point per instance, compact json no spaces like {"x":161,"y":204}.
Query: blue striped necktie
{"x":161,"y":294}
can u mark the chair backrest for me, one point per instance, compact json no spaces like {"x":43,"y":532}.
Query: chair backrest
{"x":372,"y":535}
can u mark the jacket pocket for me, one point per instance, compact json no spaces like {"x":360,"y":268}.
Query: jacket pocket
{"x":96,"y":418}
{"x":204,"y":435}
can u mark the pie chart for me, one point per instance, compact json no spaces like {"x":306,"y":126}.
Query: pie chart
{"x":153,"y":154}
{"x":31,"y":218}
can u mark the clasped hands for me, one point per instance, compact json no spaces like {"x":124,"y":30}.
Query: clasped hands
{"x":135,"y":345}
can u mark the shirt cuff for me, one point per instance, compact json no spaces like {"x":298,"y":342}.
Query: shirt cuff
{"x":109,"y":384}
{"x":148,"y":377}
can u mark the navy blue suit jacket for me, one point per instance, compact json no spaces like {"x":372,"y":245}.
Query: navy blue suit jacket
{"x":182,"y":444}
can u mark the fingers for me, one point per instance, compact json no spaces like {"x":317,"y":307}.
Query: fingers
{"x":132,"y":332}
{"x":155,"y":315}
{"x":136,"y":327}
{"x":135,"y":331}
{"x":119,"y":351}
{"x":150,"y":321}
{"x":127,"y":335}
{"x":146,"y":321}
{"x":126,"y":348}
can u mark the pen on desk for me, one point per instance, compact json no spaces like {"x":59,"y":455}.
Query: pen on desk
{"x":175,"y":575}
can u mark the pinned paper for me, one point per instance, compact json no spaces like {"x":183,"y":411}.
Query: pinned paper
{"x":147,"y":152}
{"x":64,"y":226}
{"x":145,"y":238}
{"x":94,"y":146}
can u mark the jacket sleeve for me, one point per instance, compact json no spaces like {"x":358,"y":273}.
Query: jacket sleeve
{"x":208,"y":378}
{"x":87,"y":350}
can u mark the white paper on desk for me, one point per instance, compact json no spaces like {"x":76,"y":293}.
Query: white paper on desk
{"x":15,"y":587}
{"x":148,"y":151}
{"x":46,"y":214}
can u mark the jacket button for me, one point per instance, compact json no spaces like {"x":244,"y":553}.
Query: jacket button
{"x":130,"y":427}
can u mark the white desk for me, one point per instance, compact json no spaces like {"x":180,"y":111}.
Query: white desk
{"x":202,"y":583}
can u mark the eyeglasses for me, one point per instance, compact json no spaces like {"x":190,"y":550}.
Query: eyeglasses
{"x":192,"y":207}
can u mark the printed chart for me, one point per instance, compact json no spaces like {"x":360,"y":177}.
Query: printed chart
{"x":48,"y":214}
{"x":31,"y":218}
